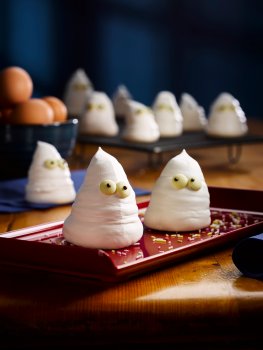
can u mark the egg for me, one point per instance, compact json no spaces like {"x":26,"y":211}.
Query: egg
{"x":16,"y":86}
{"x":59,"y":108}
{"x":33,"y":111}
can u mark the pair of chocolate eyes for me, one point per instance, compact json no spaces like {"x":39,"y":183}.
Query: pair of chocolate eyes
{"x":80,"y":87}
{"x":109,"y":187}
{"x":223,"y":108}
{"x":140,"y":111}
{"x":181,"y":181}
{"x":53,"y":163}
{"x":91,"y":106}
{"x":165,"y":107}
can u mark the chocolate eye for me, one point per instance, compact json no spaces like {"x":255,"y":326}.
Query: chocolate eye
{"x":50,"y":163}
{"x":179,"y":181}
{"x":123,"y":190}
{"x":222,"y":108}
{"x":194,"y":184}
{"x":139,"y":111}
{"x":89,"y":106}
{"x":161,"y":106}
{"x":108,"y":187}
{"x":100,"y":106}
{"x":62,"y":164}
{"x":76,"y":86}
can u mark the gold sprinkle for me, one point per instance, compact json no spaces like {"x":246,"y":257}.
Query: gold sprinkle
{"x":196,"y":235}
{"x":160,"y":240}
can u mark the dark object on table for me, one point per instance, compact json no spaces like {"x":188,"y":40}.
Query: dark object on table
{"x":18,"y":142}
{"x":248,"y":256}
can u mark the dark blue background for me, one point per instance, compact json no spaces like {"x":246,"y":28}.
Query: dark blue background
{"x":202,"y":47}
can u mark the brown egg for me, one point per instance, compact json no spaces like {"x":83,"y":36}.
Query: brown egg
{"x":33,"y":111}
{"x":16,"y":86}
{"x":59,"y":108}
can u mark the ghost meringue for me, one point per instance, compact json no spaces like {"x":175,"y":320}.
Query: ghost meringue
{"x":140,"y":124}
{"x":49,"y":178}
{"x":180,"y":198}
{"x":98,"y":116}
{"x":194,"y":118}
{"x":168,"y":114}
{"x":119,"y":100}
{"x":104,"y":214}
{"x":226,"y":118}
{"x":77,"y":89}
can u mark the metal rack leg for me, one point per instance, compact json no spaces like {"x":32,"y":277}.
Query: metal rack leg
{"x":234,"y":153}
{"x":155,"y":159}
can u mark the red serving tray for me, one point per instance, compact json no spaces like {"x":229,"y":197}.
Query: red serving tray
{"x":236,"y":213}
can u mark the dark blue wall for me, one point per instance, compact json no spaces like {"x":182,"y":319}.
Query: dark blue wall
{"x":202,"y":47}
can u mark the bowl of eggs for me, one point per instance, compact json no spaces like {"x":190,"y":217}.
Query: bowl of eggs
{"x":24,"y":120}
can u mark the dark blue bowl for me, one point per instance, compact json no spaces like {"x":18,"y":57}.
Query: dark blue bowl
{"x":18,"y":143}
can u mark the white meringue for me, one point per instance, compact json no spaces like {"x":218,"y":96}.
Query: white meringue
{"x":119,"y":100}
{"x":140,"y":124}
{"x":194,"y":118}
{"x":98,"y":117}
{"x":180,"y":200}
{"x":49,"y":178}
{"x":76,"y":90}
{"x":104,"y":214}
{"x":226,"y":118}
{"x":168,"y":114}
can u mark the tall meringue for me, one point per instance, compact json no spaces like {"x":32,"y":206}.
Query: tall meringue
{"x":168,"y":114}
{"x":119,"y":100}
{"x":140,"y":124}
{"x":194,"y":118}
{"x":49,"y":178}
{"x":76,"y":90}
{"x":98,"y":117}
{"x":180,"y":200}
{"x":226,"y":118}
{"x":104,"y":214}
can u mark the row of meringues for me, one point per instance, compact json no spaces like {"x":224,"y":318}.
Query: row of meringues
{"x":97,"y":113}
{"x":104,"y":214}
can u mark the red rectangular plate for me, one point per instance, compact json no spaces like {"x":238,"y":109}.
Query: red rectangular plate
{"x":235,"y":214}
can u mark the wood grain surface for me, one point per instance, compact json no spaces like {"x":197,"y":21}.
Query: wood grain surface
{"x":202,"y":302}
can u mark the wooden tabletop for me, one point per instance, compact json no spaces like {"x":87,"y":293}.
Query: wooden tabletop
{"x":203,"y":301}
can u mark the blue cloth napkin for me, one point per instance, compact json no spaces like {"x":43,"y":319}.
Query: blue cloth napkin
{"x":247,"y":255}
{"x":12,"y":194}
